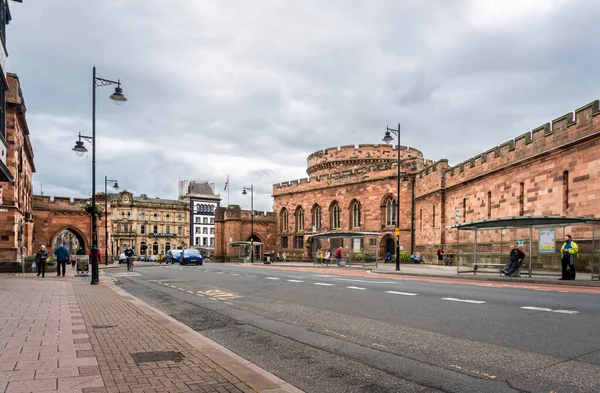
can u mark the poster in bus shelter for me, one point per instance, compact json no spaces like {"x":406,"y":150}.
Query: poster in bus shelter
{"x":547,"y":241}
{"x":83,"y":265}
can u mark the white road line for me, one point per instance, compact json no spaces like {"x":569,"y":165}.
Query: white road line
{"x":362,"y":289}
{"x":402,"y":293}
{"x":371,"y":282}
{"x":295,"y":281}
{"x":294,"y":277}
{"x":220,"y":272}
{"x":234,"y":274}
{"x":550,"y":310}
{"x":172,"y":286}
{"x":252,"y":276}
{"x":271,"y":278}
{"x":324,"y":284}
{"x":464,"y":300}
{"x":323,"y":275}
{"x":190,"y":292}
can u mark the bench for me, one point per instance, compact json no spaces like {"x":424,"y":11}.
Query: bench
{"x":516,"y":273}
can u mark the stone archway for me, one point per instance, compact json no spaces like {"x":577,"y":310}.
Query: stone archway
{"x":72,"y":238}
{"x":387,"y":244}
{"x":257,"y":247}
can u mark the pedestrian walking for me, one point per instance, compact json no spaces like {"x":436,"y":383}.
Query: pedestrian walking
{"x":98,"y":253}
{"x":277,"y":256}
{"x":569,"y":251}
{"x":73,"y":259}
{"x":62,"y":257}
{"x":40,"y":261}
{"x":440,"y":255}
{"x":338,"y":255}
{"x":284,"y":257}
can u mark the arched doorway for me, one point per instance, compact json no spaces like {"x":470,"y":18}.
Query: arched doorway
{"x":388,"y":244}
{"x":143,"y":248}
{"x":155,"y":248}
{"x":167,"y":247}
{"x":71,"y":239}
{"x":257,"y":248}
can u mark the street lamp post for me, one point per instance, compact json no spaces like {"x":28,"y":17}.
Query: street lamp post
{"x":79,"y":148}
{"x":116,"y":187}
{"x":387,"y":139}
{"x":251,"y":189}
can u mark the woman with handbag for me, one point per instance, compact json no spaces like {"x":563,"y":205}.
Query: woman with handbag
{"x":40,"y":261}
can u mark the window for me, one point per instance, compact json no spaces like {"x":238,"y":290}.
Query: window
{"x":197,"y":231}
{"x":283,"y":221}
{"x":155,"y":216}
{"x":205,"y":220}
{"x":179,"y":231}
{"x":167,"y":246}
{"x":197,"y":241}
{"x":316,"y":217}
{"x":212,"y":241}
{"x":372,"y":242}
{"x":212,"y":231}
{"x":205,"y":241}
{"x":522,"y":199}
{"x":212,"y":220}
{"x":2,"y":93}
{"x":298,"y":241}
{"x":155,"y":229}
{"x":284,"y":242}
{"x":142,"y":216}
{"x":197,"y":220}
{"x":335,"y":216}
{"x":143,"y":229}
{"x":205,"y":231}
{"x":179,"y":218}
{"x":299,"y":219}
{"x":390,"y":212}
{"x":489,"y":204}
{"x":168,"y":230}
{"x":124,"y":227}
{"x":464,"y":209}
{"x":129,"y":215}
{"x":168,"y":217}
{"x":565,"y":190}
{"x":356,"y":212}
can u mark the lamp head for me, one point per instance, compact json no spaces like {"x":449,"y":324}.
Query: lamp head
{"x":244,"y":192}
{"x":405,"y":181}
{"x":116,"y":186}
{"x":79,"y":148}
{"x":388,"y":137}
{"x":118,"y":96}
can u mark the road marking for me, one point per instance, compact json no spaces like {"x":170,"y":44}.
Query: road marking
{"x":252,"y":276}
{"x":181,"y":289}
{"x":550,"y":310}
{"x":272,"y":278}
{"x":294,"y":277}
{"x":172,"y":286}
{"x":190,"y":292}
{"x":464,"y":300}
{"x":362,"y":289}
{"x":295,"y":281}
{"x":220,"y":272}
{"x":368,"y":281}
{"x":402,"y":293}
{"x":324,"y":284}
{"x":234,"y":274}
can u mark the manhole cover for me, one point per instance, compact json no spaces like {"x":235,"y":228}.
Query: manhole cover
{"x":157,"y":356}
{"x":103,"y":326}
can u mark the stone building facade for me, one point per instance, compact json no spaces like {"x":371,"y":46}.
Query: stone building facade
{"x":151,"y":226}
{"x":203,"y":200}
{"x":552,"y":170}
{"x":16,"y":216}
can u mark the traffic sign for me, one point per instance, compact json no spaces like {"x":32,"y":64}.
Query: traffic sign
{"x":397,"y":231}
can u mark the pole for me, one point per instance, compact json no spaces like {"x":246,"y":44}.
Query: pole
{"x":95,"y":271}
{"x":105,"y":221}
{"x":412,"y":217}
{"x":398,"y":207}
{"x":252,"y":223}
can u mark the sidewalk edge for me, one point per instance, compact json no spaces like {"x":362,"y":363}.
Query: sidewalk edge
{"x":243,"y":369}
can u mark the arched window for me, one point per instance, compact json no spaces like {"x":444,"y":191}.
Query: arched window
{"x":316,"y":217}
{"x":155,"y":216}
{"x":489,"y":204}
{"x":168,"y":217}
{"x":143,"y":229}
{"x":390,"y":212}
{"x":356,"y":214}
{"x":155,"y":248}
{"x":283,"y":220}
{"x":565,"y":190}
{"x":335,"y":215}
{"x":142,"y":216}
{"x":128,"y":214}
{"x":522,"y":199}
{"x":299,"y":217}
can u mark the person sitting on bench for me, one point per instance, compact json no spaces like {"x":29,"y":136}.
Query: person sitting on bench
{"x":417,"y":258}
{"x":516,"y":257}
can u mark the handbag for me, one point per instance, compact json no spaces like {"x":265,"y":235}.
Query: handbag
{"x":33,"y":266}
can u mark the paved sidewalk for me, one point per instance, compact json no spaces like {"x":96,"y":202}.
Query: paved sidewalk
{"x":63,"y":334}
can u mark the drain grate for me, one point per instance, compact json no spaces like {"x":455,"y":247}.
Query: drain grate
{"x":157,"y":356}
{"x":103,"y":326}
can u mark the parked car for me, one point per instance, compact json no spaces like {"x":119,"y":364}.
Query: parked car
{"x":173,"y":256}
{"x":122,"y":258}
{"x":190,"y":256}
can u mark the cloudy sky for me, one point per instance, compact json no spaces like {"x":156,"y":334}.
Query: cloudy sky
{"x":250,"y":88}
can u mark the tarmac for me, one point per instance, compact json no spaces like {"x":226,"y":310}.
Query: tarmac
{"x":61,"y":334}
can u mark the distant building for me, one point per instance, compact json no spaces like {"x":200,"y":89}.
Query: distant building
{"x":203,"y":201}
{"x":151,"y":226}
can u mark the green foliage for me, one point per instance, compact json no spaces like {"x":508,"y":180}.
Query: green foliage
{"x":404,"y":256}
{"x":363,"y":256}
{"x":89,"y":209}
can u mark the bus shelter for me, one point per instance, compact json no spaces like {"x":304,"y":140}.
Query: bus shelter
{"x":358,"y":248}
{"x":244,"y":250}
{"x":547,"y":242}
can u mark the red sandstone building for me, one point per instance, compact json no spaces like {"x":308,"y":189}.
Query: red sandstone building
{"x":552,"y":170}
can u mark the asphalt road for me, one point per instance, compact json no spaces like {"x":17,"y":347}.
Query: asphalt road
{"x":355,"y":332}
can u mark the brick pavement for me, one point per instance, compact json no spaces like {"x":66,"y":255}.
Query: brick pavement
{"x":62,"y":334}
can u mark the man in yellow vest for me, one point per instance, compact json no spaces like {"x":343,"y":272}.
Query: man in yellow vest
{"x":569,"y":251}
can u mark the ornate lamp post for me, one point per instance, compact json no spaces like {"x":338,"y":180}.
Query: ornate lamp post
{"x":79,"y":148}
{"x":251,"y":189}
{"x":116,"y":187}
{"x":387,"y":139}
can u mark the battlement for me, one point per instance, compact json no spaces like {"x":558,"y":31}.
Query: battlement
{"x":573,"y":126}
{"x":334,"y":159}
{"x":43,"y":202}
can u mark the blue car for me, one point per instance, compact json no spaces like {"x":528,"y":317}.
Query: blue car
{"x":190,"y":256}
{"x":173,"y":256}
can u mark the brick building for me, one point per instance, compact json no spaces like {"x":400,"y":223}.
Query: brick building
{"x":552,"y":170}
{"x":16,"y":218}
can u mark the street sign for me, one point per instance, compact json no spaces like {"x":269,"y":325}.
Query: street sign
{"x":83,"y":265}
{"x":521,"y":242}
{"x":397,"y":231}
{"x":4,"y":210}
